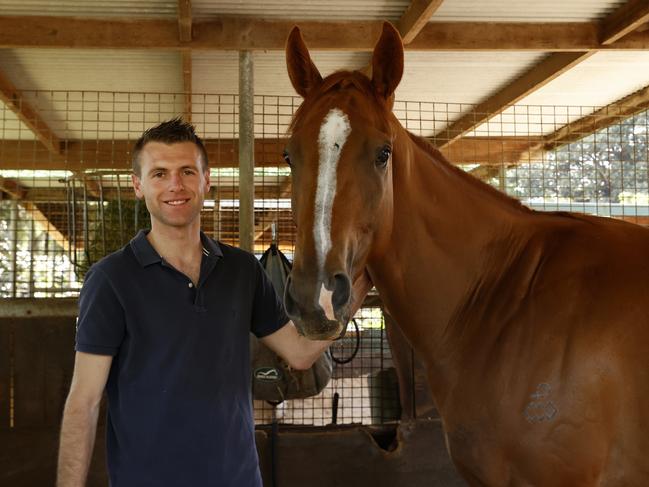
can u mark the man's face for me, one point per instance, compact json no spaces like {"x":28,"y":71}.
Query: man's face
{"x":172,"y":183}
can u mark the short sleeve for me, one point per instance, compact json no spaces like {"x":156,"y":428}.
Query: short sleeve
{"x":101,"y":325}
{"x":268,"y":313}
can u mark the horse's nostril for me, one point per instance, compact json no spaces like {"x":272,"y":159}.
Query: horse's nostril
{"x":342,"y":290}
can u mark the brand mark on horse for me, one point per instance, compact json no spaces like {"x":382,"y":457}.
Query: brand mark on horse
{"x":540,"y":408}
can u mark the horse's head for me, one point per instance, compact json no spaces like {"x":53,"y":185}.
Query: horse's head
{"x":340,"y":153}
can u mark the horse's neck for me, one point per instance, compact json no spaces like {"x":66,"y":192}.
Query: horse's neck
{"x":451,"y":236}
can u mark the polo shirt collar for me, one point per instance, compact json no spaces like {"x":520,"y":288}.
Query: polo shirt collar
{"x":143,"y":250}
{"x":147,"y":255}
{"x":211,"y":248}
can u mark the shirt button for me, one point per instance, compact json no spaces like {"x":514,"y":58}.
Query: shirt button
{"x":190,"y":284}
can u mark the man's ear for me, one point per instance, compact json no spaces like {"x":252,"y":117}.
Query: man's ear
{"x":208,"y":182}
{"x":135,"y":179}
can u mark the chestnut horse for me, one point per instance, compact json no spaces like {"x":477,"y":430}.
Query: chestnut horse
{"x":534,"y":326}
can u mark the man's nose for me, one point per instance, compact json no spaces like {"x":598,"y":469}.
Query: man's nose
{"x":175,"y":182}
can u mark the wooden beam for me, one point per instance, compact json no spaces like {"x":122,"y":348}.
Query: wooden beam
{"x":185,"y":36}
{"x":538,"y":76}
{"x":505,"y":36}
{"x":38,"y":308}
{"x":187,"y":85}
{"x":416,"y":17}
{"x":115,"y":154}
{"x":185,"y":20}
{"x":533,"y":79}
{"x":17,"y":192}
{"x":12,"y":188}
{"x":224,"y":190}
{"x":492,"y":151}
{"x":80,"y":155}
{"x":14,"y":100}
{"x":44,"y":223}
{"x":611,"y":114}
{"x":623,"y":21}
{"x":261,"y":34}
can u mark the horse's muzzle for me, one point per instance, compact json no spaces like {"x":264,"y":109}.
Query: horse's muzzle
{"x":304,"y":306}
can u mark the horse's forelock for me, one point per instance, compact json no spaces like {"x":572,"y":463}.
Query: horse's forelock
{"x":334,"y":82}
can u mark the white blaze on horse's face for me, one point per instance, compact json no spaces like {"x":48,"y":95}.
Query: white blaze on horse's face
{"x":334,"y":131}
{"x":333,"y":134}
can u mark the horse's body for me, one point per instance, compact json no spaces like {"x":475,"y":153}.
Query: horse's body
{"x":534,"y":326}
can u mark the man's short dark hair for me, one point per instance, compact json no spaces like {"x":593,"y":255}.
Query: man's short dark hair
{"x":169,"y":132}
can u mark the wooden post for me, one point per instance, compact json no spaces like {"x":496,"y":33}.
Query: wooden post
{"x":14,"y":248}
{"x":246,"y":152}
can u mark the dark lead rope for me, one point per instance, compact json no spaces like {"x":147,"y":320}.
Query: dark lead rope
{"x":357,"y":346}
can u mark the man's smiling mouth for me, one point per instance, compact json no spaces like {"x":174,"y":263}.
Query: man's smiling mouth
{"x":177,"y":202}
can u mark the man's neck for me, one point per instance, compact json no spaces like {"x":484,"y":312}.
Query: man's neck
{"x":177,"y":245}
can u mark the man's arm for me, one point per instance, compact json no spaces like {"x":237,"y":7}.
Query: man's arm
{"x":80,"y":418}
{"x":297,"y":350}
{"x":300,"y":352}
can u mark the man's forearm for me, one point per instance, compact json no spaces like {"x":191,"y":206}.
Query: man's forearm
{"x":76,"y":445}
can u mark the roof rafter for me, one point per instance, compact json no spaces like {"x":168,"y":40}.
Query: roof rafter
{"x":600,"y":119}
{"x":187,"y":85}
{"x":17,"y":192}
{"x":624,"y":20}
{"x":533,"y":79}
{"x":416,"y":17}
{"x":83,"y":157}
{"x":185,"y":36}
{"x":633,"y":14}
{"x":258,"y":34}
{"x":185,"y":20}
{"x":28,"y":115}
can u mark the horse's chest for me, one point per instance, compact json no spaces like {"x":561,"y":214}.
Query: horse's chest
{"x":477,"y":453}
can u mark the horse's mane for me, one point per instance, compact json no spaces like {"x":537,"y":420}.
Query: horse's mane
{"x":436,"y":155}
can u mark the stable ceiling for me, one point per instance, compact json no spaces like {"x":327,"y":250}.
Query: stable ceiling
{"x":475,"y":58}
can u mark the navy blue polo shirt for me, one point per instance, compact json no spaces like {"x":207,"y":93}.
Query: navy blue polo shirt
{"x":179,"y":401}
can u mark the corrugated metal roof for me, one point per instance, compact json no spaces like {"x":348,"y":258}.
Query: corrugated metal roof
{"x":92,"y":70}
{"x":460,"y":77}
{"x":91,"y":8}
{"x":525,"y":10}
{"x":300,"y":9}
{"x":450,"y":10}
{"x":453,"y":82}
{"x":71,"y":104}
{"x":218,"y":72}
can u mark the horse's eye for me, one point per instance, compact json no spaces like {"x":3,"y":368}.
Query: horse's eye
{"x":286,"y":157}
{"x":383,"y":156}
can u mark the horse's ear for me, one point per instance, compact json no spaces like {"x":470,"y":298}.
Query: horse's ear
{"x":387,"y":61}
{"x":301,"y":70}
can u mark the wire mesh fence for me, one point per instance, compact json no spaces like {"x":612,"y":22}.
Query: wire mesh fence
{"x":66,"y":198}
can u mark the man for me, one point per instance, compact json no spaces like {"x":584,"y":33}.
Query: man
{"x":163,"y":327}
